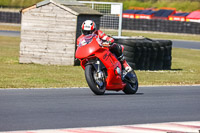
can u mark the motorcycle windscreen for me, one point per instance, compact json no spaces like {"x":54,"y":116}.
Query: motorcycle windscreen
{"x":87,"y":46}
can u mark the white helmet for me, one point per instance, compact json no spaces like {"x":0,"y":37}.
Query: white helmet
{"x":88,"y":27}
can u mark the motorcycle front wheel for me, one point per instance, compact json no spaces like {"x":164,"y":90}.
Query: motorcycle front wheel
{"x":98,"y":86}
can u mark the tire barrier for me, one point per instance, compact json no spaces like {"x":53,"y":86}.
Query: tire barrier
{"x":146,"y":54}
{"x":161,"y":25}
{"x":10,"y":17}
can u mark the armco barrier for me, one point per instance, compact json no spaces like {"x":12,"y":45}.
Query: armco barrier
{"x":10,"y":17}
{"x":147,"y":54}
{"x":128,"y":24}
{"x":156,"y":25}
{"x":161,"y":25}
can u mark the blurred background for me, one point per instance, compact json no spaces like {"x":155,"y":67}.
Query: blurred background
{"x":181,"y":5}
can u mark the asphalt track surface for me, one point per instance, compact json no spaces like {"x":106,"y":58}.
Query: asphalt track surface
{"x":176,"y":43}
{"x":30,"y":109}
{"x":9,"y":33}
{"x":186,"y":44}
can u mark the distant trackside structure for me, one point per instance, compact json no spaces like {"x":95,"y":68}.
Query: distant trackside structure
{"x":49,"y":30}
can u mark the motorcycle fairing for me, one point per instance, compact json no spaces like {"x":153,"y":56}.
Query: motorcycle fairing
{"x":86,"y":48}
{"x":114,"y":82}
{"x":85,"y":51}
{"x":91,"y":51}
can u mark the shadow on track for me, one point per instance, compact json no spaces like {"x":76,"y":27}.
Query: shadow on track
{"x":110,"y":93}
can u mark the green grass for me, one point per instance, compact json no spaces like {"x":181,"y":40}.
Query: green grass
{"x":186,"y":5}
{"x":163,"y":35}
{"x":181,"y":5}
{"x":15,"y":75}
{"x":157,"y":35}
{"x":10,"y":27}
{"x":185,"y":70}
{"x":18,"y":3}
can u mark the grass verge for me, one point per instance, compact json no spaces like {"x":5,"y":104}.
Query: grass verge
{"x":158,"y":35}
{"x":185,"y":70}
{"x":10,"y":27}
{"x":163,"y":35}
{"x":181,"y":5}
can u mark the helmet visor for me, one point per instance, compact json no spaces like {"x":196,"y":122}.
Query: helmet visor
{"x":85,"y":32}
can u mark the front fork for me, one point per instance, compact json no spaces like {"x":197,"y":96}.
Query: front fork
{"x":99,"y":72}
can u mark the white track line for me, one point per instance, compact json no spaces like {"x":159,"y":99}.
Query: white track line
{"x":171,"y":127}
{"x":69,"y":88}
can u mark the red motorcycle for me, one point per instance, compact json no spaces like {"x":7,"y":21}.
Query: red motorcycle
{"x":103,"y":71}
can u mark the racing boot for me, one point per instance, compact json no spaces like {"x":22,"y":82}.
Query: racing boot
{"x":125,"y":64}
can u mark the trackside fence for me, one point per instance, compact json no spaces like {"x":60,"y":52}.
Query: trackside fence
{"x":112,"y":14}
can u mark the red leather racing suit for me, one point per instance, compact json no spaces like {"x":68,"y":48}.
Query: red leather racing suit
{"x":101,"y":35}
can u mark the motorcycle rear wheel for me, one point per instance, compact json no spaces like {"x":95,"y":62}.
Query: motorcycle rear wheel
{"x":90,"y":73}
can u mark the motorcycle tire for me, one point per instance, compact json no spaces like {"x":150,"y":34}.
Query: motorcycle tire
{"x":89,"y":75}
{"x":131,"y":83}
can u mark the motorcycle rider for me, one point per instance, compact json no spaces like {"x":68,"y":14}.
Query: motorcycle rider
{"x":89,"y":27}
